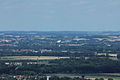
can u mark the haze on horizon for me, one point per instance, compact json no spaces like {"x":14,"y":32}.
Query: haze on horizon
{"x":60,"y":15}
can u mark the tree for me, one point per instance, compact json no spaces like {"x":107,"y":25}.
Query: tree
{"x":110,"y":78}
{"x":96,"y":79}
{"x":83,"y":77}
{"x":118,"y":56}
{"x":101,"y":79}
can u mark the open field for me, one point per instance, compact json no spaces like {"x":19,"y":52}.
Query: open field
{"x":114,"y":76}
{"x":31,"y":58}
{"x":105,"y":78}
{"x":68,"y":75}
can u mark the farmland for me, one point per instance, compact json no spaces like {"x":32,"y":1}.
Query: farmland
{"x":24,"y":53}
{"x":31,"y":58}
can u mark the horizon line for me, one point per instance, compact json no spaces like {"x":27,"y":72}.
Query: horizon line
{"x":59,"y":31}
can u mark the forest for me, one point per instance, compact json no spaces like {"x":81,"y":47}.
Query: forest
{"x":68,"y":66}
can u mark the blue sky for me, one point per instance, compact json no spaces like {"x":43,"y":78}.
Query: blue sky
{"x":60,"y":15}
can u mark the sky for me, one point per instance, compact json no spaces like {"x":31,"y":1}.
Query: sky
{"x":60,"y":15}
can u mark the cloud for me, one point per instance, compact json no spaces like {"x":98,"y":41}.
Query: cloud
{"x":80,"y":2}
{"x":47,"y":17}
{"x":9,"y":4}
{"x":115,"y":3}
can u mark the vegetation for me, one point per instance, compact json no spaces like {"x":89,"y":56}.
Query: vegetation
{"x":75,"y":45}
{"x":72,"y":65}
{"x":53,"y":78}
